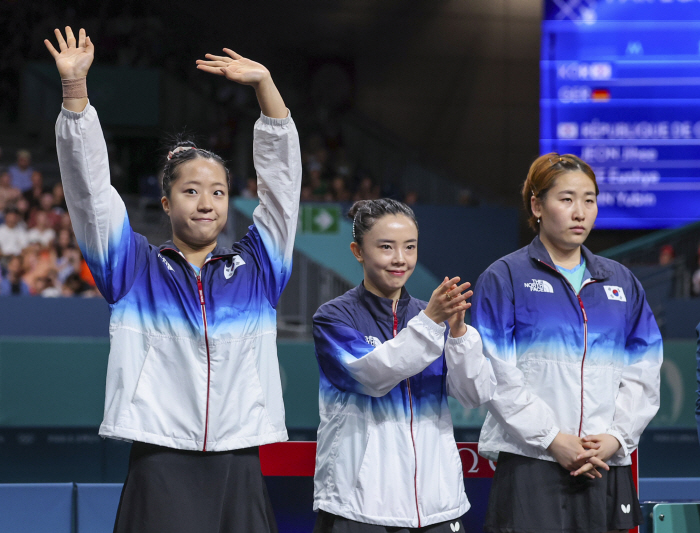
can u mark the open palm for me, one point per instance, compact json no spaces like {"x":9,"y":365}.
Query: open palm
{"x":235,"y":67}
{"x":75,"y":58}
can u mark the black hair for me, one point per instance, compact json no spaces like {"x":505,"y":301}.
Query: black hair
{"x":176,"y":157}
{"x":365,"y":213}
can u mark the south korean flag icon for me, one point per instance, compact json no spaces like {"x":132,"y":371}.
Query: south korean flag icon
{"x":615,"y":293}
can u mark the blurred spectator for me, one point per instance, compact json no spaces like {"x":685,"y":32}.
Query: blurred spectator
{"x":41,"y":232}
{"x":666,"y":255}
{"x":13,"y":233}
{"x":339,"y":190}
{"x":59,"y":200}
{"x":33,"y":195}
{"x":251,"y":189}
{"x":69,"y":262}
{"x":22,"y":175}
{"x":366,"y":190}
{"x":46,"y":205}
{"x":411,"y":198}
{"x":12,"y":284}
{"x":8,"y":193}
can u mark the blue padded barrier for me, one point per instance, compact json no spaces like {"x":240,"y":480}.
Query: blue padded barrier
{"x":96,"y":506}
{"x":669,"y":489}
{"x":36,"y":507}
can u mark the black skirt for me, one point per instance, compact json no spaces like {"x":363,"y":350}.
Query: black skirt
{"x":330,"y":523}
{"x":184,"y":491}
{"x":535,"y":496}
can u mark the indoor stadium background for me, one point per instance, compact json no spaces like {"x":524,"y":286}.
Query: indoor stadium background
{"x":442,"y":104}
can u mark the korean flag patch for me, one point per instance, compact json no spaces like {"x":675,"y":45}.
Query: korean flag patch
{"x":615,"y":293}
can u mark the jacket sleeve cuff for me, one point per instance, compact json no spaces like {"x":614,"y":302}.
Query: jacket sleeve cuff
{"x":472,"y":335}
{"x":623,"y":451}
{"x":73,"y":114}
{"x":276,"y":121}
{"x":436,"y":329}
{"x":550,"y":437}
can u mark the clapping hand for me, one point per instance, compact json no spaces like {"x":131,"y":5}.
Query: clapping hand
{"x":449,"y":300}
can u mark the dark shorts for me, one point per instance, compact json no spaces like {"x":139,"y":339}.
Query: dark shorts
{"x":330,"y":523}
{"x":534,"y":496}
{"x":185,"y":491}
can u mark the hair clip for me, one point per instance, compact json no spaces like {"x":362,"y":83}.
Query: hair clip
{"x":178,"y":150}
{"x":354,"y":221}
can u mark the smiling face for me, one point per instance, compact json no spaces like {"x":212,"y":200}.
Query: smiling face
{"x":198,"y":202}
{"x":388,"y":254}
{"x":567,"y":212}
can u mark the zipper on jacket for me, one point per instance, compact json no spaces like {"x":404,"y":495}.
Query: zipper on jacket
{"x":206,"y":341}
{"x":410,"y":404}
{"x":200,"y":290}
{"x":585,"y":332}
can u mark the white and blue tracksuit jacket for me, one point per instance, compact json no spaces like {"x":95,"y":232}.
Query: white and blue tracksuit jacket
{"x":386,"y":451}
{"x":579,"y":364}
{"x":193,"y":359}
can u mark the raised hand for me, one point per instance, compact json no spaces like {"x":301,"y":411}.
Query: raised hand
{"x":75,"y":58}
{"x":447,"y":300}
{"x":246,"y":72}
{"x":235,"y":67}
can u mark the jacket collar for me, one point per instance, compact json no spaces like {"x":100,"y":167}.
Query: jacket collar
{"x":219,"y":251}
{"x":595,"y":266}
{"x":381,"y":308}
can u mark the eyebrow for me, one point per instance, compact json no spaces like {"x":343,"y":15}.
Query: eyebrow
{"x":195,"y":182}
{"x":588,"y":193}
{"x":389,"y":241}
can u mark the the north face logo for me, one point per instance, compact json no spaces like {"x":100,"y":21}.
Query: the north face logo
{"x":373,"y":341}
{"x":539,"y":285}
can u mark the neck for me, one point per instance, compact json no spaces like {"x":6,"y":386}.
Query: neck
{"x":196,"y":255}
{"x":392,"y":295}
{"x":563,"y":257}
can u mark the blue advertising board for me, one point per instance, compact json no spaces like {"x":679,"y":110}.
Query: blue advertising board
{"x":620,"y":88}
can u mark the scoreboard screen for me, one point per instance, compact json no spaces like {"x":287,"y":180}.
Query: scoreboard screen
{"x":620,"y":88}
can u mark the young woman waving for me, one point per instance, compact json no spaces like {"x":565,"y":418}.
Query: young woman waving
{"x":193,"y":378}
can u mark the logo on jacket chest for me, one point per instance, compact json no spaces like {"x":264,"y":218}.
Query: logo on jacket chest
{"x":230,"y":269}
{"x":373,"y":341}
{"x":539,"y":285}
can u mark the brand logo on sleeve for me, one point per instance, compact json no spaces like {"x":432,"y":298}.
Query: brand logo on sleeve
{"x":166,"y":263}
{"x":615,"y":293}
{"x":539,"y":285}
{"x":373,"y":341}
{"x":230,"y":269}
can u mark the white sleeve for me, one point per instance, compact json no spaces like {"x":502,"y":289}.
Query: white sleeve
{"x":470,"y":376}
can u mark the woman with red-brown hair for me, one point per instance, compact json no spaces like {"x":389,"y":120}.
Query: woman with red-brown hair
{"x":576,"y":352}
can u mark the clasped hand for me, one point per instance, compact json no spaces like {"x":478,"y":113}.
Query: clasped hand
{"x":448,"y":302}
{"x":584,"y":455}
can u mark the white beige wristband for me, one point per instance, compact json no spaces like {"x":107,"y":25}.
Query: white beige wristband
{"x":74,"y":88}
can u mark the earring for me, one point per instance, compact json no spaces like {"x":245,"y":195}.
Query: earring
{"x":538,"y":220}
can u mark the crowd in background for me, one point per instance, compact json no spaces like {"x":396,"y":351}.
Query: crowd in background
{"x":38,"y":252}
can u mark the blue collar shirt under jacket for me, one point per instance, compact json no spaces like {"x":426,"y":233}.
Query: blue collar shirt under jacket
{"x":193,"y":358}
{"x":578,"y":364}
{"x":386,"y":450}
